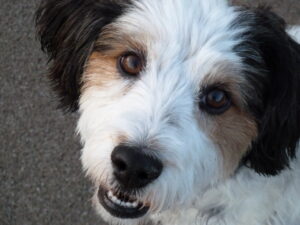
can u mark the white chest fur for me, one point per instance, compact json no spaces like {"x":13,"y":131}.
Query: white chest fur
{"x":246,"y":199}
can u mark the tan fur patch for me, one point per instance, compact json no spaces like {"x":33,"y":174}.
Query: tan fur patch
{"x":232,"y":132}
{"x":100,"y":71}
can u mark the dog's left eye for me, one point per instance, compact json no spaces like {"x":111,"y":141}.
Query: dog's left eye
{"x":216,"y":101}
{"x":131,"y":64}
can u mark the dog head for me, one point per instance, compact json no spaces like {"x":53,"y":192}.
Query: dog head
{"x":174,"y":96}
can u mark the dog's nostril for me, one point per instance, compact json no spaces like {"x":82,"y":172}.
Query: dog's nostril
{"x":120,"y":165}
{"x":143,"y":175}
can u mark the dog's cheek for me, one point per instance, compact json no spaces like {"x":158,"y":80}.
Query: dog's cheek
{"x":98,"y":132}
{"x":198,"y":164}
{"x":101,"y":90}
{"x":96,"y":157}
{"x":232,"y":133}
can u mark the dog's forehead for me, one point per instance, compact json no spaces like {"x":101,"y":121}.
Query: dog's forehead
{"x":197,"y":34}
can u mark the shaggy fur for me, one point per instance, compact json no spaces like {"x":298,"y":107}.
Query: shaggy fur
{"x":238,"y":167}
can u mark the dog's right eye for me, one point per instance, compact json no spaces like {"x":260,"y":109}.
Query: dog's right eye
{"x":131,"y":64}
{"x":215,"y":101}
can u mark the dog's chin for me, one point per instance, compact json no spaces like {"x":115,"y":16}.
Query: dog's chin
{"x":119,"y":205}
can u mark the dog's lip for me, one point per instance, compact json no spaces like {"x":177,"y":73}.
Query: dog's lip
{"x":130,"y":209}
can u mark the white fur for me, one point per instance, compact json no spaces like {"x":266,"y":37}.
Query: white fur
{"x":160,"y":107}
{"x":294,"y":31}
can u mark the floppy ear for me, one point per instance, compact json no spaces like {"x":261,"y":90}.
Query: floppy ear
{"x":67,"y":30}
{"x":275,"y":104}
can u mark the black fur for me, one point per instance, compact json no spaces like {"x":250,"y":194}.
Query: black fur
{"x":67,"y":30}
{"x":275,"y":101}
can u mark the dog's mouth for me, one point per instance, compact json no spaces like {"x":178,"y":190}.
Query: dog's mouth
{"x":120,"y":204}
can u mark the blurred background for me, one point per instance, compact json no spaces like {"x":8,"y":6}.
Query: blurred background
{"x":41,"y":181}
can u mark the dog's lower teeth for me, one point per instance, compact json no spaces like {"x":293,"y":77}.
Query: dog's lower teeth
{"x":119,"y":202}
{"x":135,"y":204}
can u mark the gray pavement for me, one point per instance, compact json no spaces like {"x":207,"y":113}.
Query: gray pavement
{"x":41,"y":181}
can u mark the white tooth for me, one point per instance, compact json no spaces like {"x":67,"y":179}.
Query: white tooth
{"x":135,"y":204}
{"x":118,"y":202}
{"x":110,"y":194}
{"x":114,"y":199}
{"x":129,"y":205}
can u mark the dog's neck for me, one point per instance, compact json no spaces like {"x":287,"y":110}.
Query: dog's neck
{"x":246,"y":199}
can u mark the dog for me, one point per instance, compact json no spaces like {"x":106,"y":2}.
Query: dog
{"x":189,"y":109}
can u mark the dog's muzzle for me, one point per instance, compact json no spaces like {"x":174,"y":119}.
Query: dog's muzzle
{"x":132,"y":170}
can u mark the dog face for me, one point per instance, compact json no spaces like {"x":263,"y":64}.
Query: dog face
{"x":174,"y":96}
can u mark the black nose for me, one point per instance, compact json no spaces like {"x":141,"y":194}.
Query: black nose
{"x":133,"y":168}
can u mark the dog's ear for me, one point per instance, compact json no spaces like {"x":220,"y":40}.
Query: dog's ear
{"x":67,"y":30}
{"x":273,"y":69}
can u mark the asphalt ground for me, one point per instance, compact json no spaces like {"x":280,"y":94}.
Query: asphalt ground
{"x":41,"y":181}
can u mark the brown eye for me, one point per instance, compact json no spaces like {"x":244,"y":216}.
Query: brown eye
{"x":215,"y":101}
{"x":131,"y":64}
